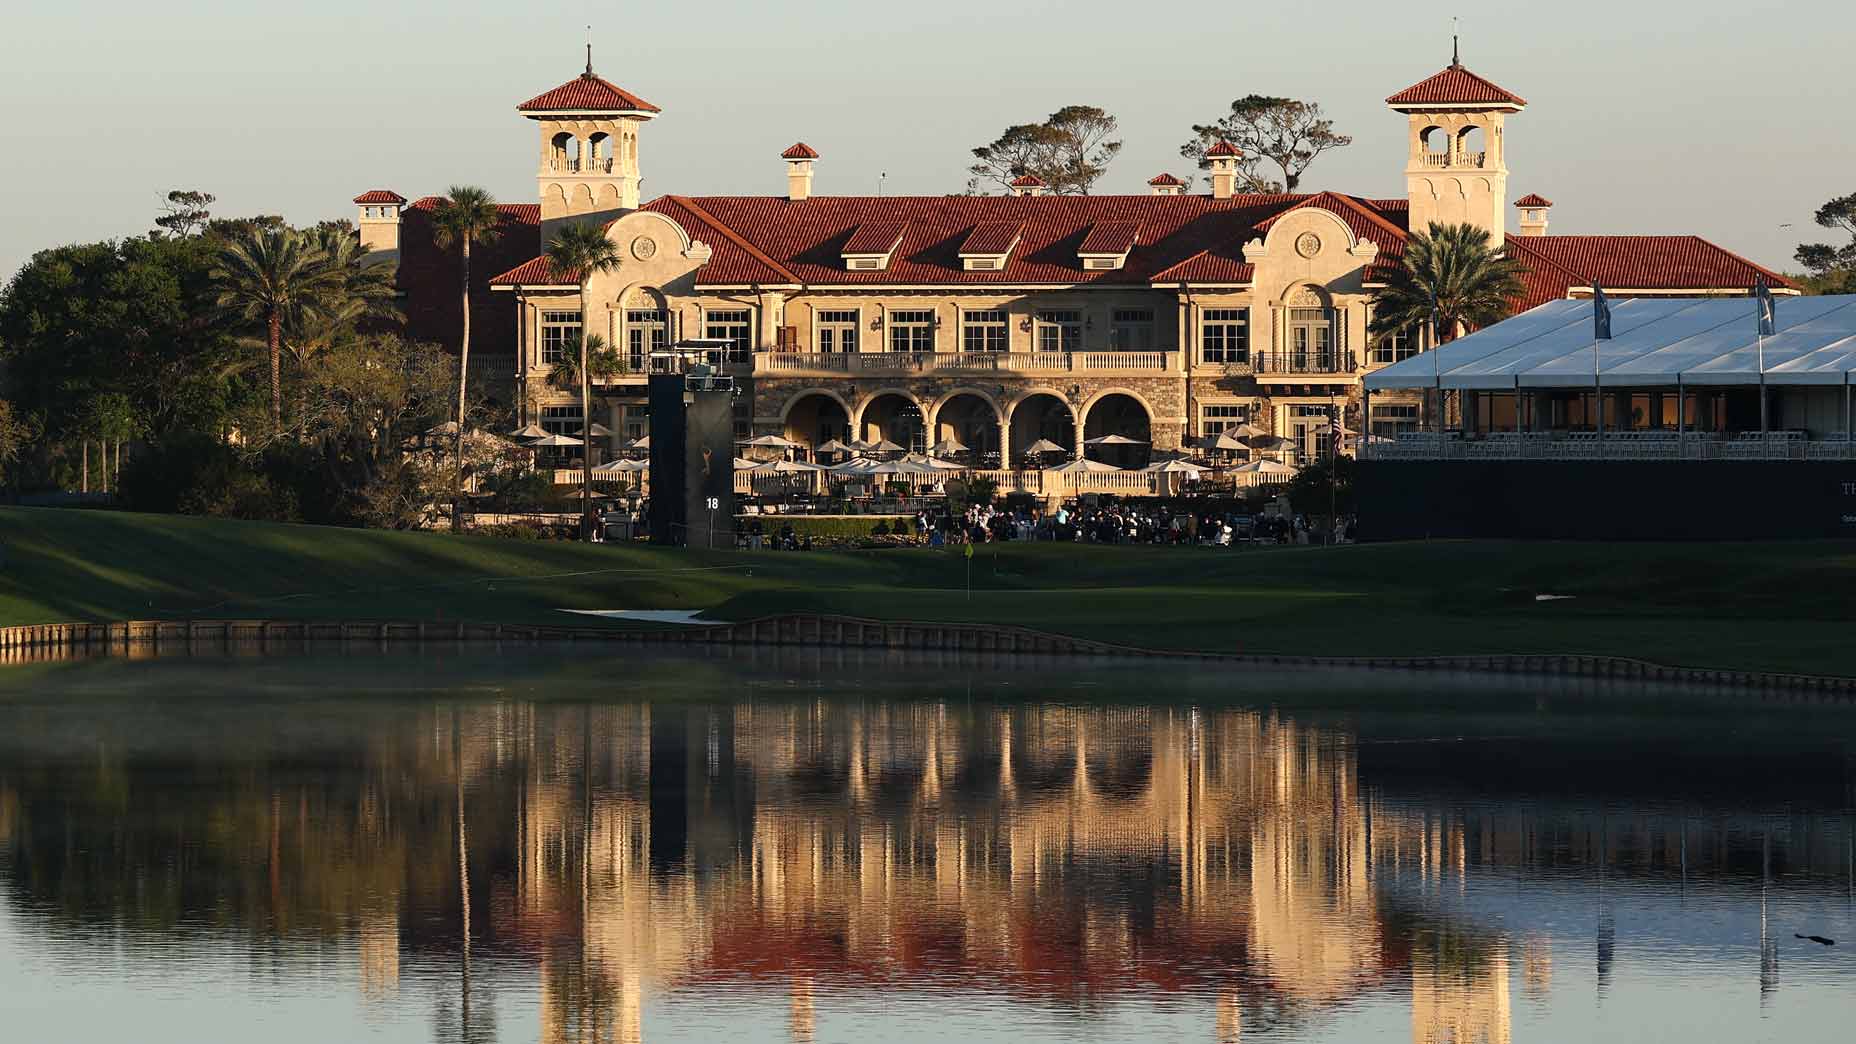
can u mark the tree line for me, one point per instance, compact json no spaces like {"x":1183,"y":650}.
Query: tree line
{"x":1071,"y":149}
{"x":258,"y":370}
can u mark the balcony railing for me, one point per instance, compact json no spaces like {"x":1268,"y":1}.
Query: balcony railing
{"x":1309,"y":362}
{"x":904,"y":363}
{"x":1461,"y":159}
{"x":580,"y":166}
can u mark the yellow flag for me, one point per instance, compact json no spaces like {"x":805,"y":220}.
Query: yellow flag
{"x":969,"y":550}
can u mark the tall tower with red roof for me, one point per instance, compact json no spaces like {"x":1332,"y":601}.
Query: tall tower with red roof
{"x":1457,"y":172}
{"x":589,"y":149}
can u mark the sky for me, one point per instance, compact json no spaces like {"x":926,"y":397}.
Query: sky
{"x":1728,"y":120}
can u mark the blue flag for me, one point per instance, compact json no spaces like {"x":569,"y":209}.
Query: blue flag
{"x":1768,"y":314}
{"x":1601,"y":314}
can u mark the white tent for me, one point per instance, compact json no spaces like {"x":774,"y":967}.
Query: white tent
{"x":1655,"y":342}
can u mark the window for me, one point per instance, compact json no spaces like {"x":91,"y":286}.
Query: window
{"x":1396,"y":347}
{"x":733,"y":325}
{"x":1309,"y":430}
{"x":560,"y":332}
{"x":911,"y":331}
{"x":743,"y":416}
{"x":837,"y":331}
{"x":1131,"y":330}
{"x":646,"y":331}
{"x":1060,"y":331}
{"x":1392,"y":419}
{"x":1224,"y":335}
{"x":561,"y":420}
{"x":637,"y":422}
{"x":983,"y":331}
{"x":1217,"y":417}
{"x":1311,"y":344}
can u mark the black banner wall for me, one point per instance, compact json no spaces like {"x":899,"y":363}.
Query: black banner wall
{"x":1606,"y":500}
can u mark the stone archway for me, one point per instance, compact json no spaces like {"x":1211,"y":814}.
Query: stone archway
{"x":895,"y":416}
{"x":1042,"y":415}
{"x":1120,"y":413}
{"x":815,"y":418}
{"x":971,"y":418}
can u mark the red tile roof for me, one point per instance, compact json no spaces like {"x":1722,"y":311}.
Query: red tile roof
{"x":379,"y":196}
{"x":1455,"y":86}
{"x":876,"y":237}
{"x":808,"y":238}
{"x":1640,"y":262}
{"x":1027,"y":181}
{"x":992,"y":237}
{"x":1223,"y":148}
{"x":587,"y":93}
{"x":1110,"y":237}
{"x":1533,"y":199}
{"x":428,"y":277}
{"x":536,"y":271}
{"x":1164,"y":179}
{"x":800,"y":151}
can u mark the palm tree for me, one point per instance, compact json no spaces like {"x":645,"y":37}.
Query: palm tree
{"x":582,"y":252}
{"x":468,"y":215}
{"x":1453,"y":279}
{"x":1451,"y":276}
{"x":359,"y":290}
{"x":270,"y":275}
{"x":601,"y":361}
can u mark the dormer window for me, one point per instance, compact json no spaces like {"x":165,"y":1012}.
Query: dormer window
{"x":871,"y":247}
{"x":990,"y":245}
{"x":1107,"y":245}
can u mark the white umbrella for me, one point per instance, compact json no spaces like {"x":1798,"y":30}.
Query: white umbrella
{"x":1246,"y":431}
{"x":1044,"y":446}
{"x":529,"y":431}
{"x":834,"y":446}
{"x":1168,"y":467}
{"x":557,"y":441}
{"x":644,"y":443}
{"x":854,"y":466}
{"x":1224,"y":440}
{"x":621,"y":467}
{"x":1264,"y":467}
{"x":1113,"y":440}
{"x":1268,"y":442}
{"x":773,"y":442}
{"x":885,"y":446}
{"x":789,"y":467}
{"x":1328,"y":427}
{"x":935,"y":463}
{"x":947,"y":446}
{"x":1084,"y":464}
{"x":901,"y":467}
{"x":744,"y":464}
{"x":599,"y":431}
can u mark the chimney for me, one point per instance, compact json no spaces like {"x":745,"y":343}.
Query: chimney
{"x":799,"y":171}
{"x":379,"y":224}
{"x":1028,"y":185}
{"x":1223,"y":157}
{"x":1166,"y":185}
{"x":1533,"y":214}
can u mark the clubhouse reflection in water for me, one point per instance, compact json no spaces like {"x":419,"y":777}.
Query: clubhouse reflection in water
{"x":1073,"y":856}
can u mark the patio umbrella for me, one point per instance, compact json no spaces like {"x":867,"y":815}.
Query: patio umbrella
{"x":744,"y":464}
{"x":1329,"y":427}
{"x":834,"y":446}
{"x":1268,"y":442}
{"x":1224,"y":440}
{"x":1113,"y":440}
{"x":621,"y":467}
{"x":1265,"y":467}
{"x":1246,"y":430}
{"x":1169,"y":467}
{"x":773,"y":442}
{"x":556,"y":442}
{"x":644,"y":443}
{"x":790,"y":467}
{"x":854,"y":466}
{"x":947,"y":446}
{"x":599,"y":431}
{"x":885,"y":446}
{"x":1084,"y":464}
{"x":934,"y":463}
{"x":901,"y":467}
{"x":529,"y":431}
{"x":1044,"y":446}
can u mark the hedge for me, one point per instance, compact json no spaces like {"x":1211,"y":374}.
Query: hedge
{"x":828,"y":527}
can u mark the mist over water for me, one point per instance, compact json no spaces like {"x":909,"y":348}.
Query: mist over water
{"x":557,"y":844}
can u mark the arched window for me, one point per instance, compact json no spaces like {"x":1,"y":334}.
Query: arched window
{"x":1434,"y":144}
{"x":563,"y":152}
{"x":1470,"y":146}
{"x":599,"y":153}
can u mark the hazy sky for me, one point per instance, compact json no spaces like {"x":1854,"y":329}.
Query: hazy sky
{"x":1724,"y":119}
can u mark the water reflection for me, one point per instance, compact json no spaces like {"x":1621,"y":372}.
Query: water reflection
{"x":816,"y":866}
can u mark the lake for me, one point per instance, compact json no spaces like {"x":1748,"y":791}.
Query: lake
{"x":564,"y":843}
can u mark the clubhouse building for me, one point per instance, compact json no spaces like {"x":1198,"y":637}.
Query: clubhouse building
{"x":1000,"y":320}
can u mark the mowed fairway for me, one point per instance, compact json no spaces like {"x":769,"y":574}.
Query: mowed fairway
{"x":1785,"y":607}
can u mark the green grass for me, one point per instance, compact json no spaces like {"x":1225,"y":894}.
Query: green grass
{"x":1787,"y":607}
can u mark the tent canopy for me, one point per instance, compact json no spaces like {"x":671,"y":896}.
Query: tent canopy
{"x":1655,"y":342}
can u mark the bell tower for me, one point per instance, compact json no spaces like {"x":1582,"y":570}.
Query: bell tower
{"x":1457,"y":169}
{"x":589,"y":149}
